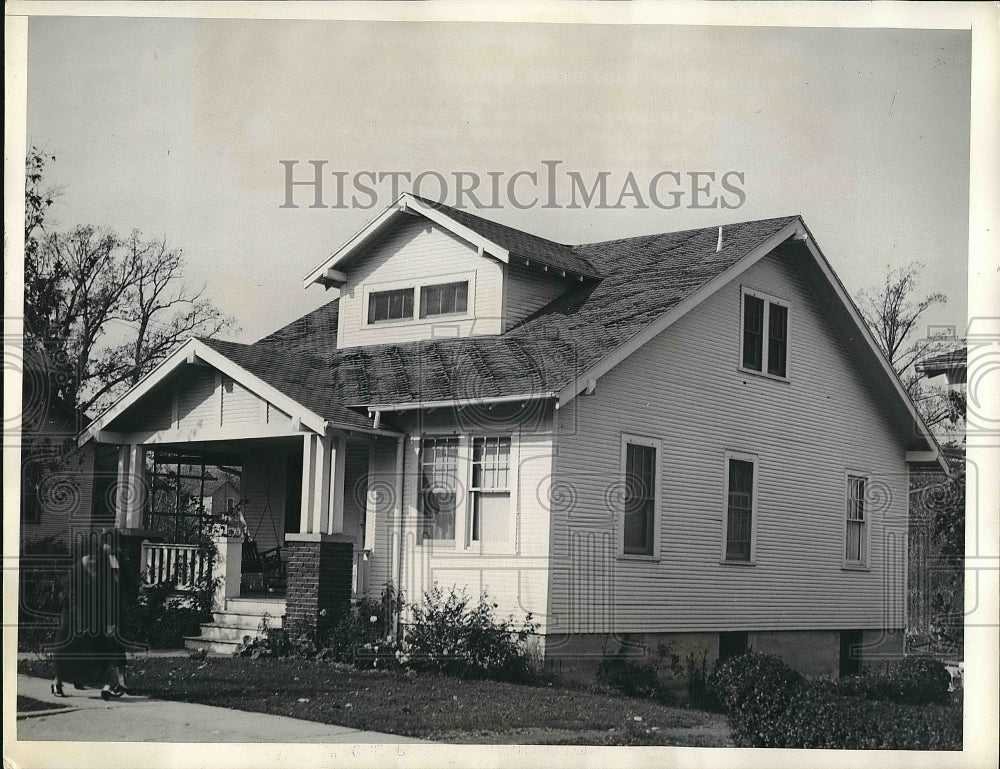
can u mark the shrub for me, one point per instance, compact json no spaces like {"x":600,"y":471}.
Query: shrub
{"x":44,"y":565}
{"x":770,"y":705}
{"x":700,"y":694}
{"x":161,"y":620}
{"x":365,"y":637}
{"x":451,"y":635}
{"x":640,"y":676}
{"x":913,"y":680}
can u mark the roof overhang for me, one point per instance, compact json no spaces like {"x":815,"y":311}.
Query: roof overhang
{"x":460,"y":402}
{"x":329,"y":273}
{"x":794,"y":230}
{"x":195,"y":352}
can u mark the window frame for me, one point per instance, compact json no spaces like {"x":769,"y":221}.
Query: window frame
{"x":417,"y":284}
{"x":768,"y":300}
{"x":865,"y":563}
{"x":657,"y":445}
{"x":383,"y":321}
{"x":753,"y":459}
{"x":421,"y":315}
{"x":463,"y":545}
{"x":477,"y":544}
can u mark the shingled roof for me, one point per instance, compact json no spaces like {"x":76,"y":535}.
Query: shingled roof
{"x":643,"y":278}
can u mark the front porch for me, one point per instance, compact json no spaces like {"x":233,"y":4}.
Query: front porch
{"x":294,"y":519}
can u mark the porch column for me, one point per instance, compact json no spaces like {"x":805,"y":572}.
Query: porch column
{"x":131,"y":489}
{"x":322,"y":484}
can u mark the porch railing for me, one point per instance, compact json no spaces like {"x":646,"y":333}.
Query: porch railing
{"x":362,"y":573}
{"x":182,"y":566}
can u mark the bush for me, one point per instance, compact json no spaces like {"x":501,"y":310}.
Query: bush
{"x":700,"y":694}
{"x":770,"y":705}
{"x":44,"y":565}
{"x":451,"y":635}
{"x":640,"y":676}
{"x":913,"y":680}
{"x":159,"y":619}
{"x":365,"y":637}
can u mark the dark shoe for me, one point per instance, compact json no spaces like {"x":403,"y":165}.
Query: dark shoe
{"x":79,"y":686}
{"x":112,"y":692}
{"x":57,"y":690}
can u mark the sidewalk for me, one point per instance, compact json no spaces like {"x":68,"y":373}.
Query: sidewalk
{"x":140,"y":719}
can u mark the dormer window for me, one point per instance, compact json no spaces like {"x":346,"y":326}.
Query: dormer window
{"x":444,"y":299}
{"x":390,"y":305}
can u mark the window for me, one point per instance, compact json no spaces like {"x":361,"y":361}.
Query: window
{"x":444,"y":299}
{"x":637,"y":530}
{"x":490,"y":490}
{"x":740,"y":497}
{"x":732,"y":644}
{"x":390,"y":305}
{"x":850,"y":652}
{"x":764,"y":352}
{"x":438,"y":488}
{"x":856,"y":536}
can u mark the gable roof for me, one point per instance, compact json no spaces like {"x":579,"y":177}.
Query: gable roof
{"x":497,"y":240}
{"x":647,"y":283}
{"x":943,"y":363}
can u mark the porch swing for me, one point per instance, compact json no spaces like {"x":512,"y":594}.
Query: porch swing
{"x":267,"y":565}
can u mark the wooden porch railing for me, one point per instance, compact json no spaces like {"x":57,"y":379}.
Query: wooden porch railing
{"x":362,"y":573}
{"x":183,"y":566}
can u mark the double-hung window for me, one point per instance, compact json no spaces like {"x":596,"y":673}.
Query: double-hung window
{"x":741,"y":499}
{"x":640,"y":473}
{"x":856,"y":535}
{"x":490,"y":490}
{"x":390,"y":305}
{"x":438,"y":488}
{"x":764,"y":342}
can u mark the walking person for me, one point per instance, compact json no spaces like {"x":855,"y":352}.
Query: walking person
{"x":87,"y":651}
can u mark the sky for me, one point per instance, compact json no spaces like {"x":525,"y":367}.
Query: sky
{"x":178,"y":127}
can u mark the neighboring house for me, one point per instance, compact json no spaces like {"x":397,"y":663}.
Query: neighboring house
{"x":223,"y":497}
{"x":57,"y":476}
{"x":688,"y":437}
{"x":948,"y":372}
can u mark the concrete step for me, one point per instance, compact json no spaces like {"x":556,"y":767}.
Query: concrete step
{"x":214,"y":632}
{"x":259,"y":606}
{"x":245,"y":621}
{"x":213,"y":647}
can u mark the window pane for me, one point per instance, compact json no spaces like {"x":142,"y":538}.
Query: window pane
{"x":444,"y":299}
{"x":777,"y":339}
{"x":490,"y":517}
{"x":640,"y":499}
{"x":855,"y":539}
{"x":490,"y":462}
{"x":740,"y":510}
{"x":753,"y":332}
{"x":390,"y":305}
{"x":438,"y":487}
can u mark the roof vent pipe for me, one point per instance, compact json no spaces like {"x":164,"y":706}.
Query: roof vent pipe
{"x":718,"y":245}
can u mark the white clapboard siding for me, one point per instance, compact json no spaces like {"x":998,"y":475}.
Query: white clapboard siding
{"x":806,"y":432}
{"x":197,"y":407}
{"x":420,"y":251}
{"x":527,"y":290}
{"x":239,"y":405}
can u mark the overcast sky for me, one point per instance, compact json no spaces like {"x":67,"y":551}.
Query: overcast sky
{"x":178,"y":127}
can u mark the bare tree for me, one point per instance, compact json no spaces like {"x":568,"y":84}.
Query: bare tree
{"x":893,"y":315}
{"x":102,"y":310}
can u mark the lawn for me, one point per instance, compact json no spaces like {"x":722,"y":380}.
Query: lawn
{"x":426,"y":706}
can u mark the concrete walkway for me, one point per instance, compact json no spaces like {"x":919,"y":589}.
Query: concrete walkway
{"x":141,"y":719}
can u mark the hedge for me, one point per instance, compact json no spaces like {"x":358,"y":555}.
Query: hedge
{"x":771,"y":705}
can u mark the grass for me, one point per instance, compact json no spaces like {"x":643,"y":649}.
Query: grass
{"x":427,"y":706}
{"x":31,"y":705}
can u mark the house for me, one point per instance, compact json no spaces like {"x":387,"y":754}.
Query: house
{"x":688,"y":437}
{"x":61,"y":490}
{"x":947,"y":374}
{"x":221,"y":497}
